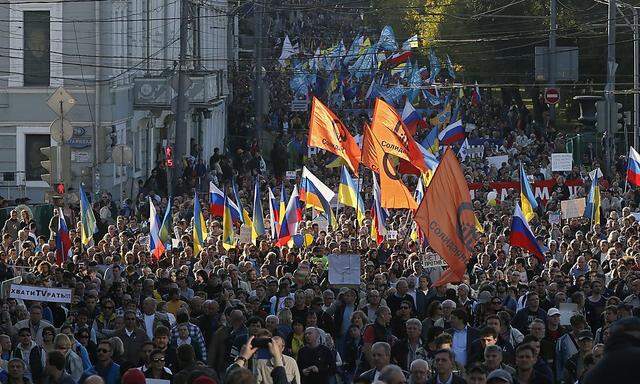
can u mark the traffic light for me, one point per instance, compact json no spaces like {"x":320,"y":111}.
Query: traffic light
{"x":51,"y":165}
{"x":168,"y":153}
{"x":617,"y":118}
{"x":601,"y":116}
{"x":59,"y":188}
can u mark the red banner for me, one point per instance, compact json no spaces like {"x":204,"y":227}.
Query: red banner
{"x":541,"y":189}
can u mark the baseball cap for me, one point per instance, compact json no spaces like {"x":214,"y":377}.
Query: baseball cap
{"x":499,"y":376}
{"x":202,"y":379}
{"x":553,"y":312}
{"x":133,"y":376}
{"x":585,"y":335}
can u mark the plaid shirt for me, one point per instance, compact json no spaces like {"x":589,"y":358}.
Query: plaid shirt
{"x":196,"y":338}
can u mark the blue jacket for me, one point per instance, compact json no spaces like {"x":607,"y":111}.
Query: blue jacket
{"x":110,"y":375}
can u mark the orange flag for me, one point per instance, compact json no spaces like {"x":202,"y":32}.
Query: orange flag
{"x":394,"y":136}
{"x":446,"y":217}
{"x":326,"y":131}
{"x":393,"y":193}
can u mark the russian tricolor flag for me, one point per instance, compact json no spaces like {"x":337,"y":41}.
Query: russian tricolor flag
{"x":522,"y":236}
{"x":63,"y":241}
{"x":156,"y":247}
{"x":410,"y":117}
{"x":216,"y":204}
{"x":453,"y":133}
{"x":633,"y":167}
{"x":273,"y":215}
{"x":475,"y":95}
{"x":291,"y":219}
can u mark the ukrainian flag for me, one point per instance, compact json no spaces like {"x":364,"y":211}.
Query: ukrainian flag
{"x":257,"y":229}
{"x":228,"y":238}
{"x":349,"y":195}
{"x":283,"y":205}
{"x":527,"y":198}
{"x":431,"y":142}
{"x":199,"y":226}
{"x":592,"y":208}
{"x":316,"y":194}
{"x":87,"y":219}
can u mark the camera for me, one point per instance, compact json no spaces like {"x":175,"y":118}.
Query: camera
{"x":262,"y":342}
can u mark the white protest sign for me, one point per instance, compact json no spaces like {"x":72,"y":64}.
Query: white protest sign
{"x":344,"y":269}
{"x":291,"y":175}
{"x":156,"y":381}
{"x":561,"y":162}
{"x":554,"y":218}
{"x":323,"y":223}
{"x":175,"y":243}
{"x":392,"y":235}
{"x":475,"y":151}
{"x":497,"y":161}
{"x":566,"y":311}
{"x":28,"y":292}
{"x":432,"y":260}
{"x":572,"y":208}
{"x":636,"y":215}
{"x":245,"y":234}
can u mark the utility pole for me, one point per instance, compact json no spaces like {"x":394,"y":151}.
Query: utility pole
{"x":636,"y":78}
{"x":553,"y":27}
{"x":611,"y":80}
{"x":179,"y":132}
{"x":259,"y":92}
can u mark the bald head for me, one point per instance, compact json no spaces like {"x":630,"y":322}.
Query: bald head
{"x":94,"y":379}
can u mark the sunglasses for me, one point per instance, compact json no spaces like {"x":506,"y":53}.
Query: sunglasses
{"x":405,"y":307}
{"x":158,"y":359}
{"x":102,"y":350}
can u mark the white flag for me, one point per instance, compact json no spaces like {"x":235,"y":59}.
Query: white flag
{"x":464,"y":150}
{"x":288,"y":50}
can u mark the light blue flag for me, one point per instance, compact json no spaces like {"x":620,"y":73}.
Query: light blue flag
{"x":434,"y":65}
{"x":387,"y":41}
{"x":354,"y":49}
{"x":450,"y":69}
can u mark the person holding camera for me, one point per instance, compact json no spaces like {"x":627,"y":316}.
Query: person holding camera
{"x":238,"y":372}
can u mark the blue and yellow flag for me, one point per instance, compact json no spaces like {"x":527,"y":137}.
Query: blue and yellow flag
{"x":257,"y":227}
{"x":349,"y":195}
{"x":87,"y":219}
{"x":431,"y":142}
{"x":592,"y":207}
{"x":199,"y":226}
{"x":228,"y":236}
{"x":282,"y":207}
{"x":527,"y":198}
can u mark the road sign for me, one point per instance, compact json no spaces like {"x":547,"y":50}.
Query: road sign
{"x":61,"y":130}
{"x":552,"y":96}
{"x":122,"y":154}
{"x":61,"y":102}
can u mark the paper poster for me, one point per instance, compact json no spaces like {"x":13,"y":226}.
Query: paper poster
{"x":344,"y":269}
{"x":497,"y":161}
{"x":566,"y":311}
{"x":392,"y":235}
{"x":245,"y":234}
{"x":572,"y":208}
{"x":561,"y":162}
{"x":554,"y":218}
{"x":323,"y":223}
{"x":291,"y":175}
{"x":27,"y":292}
{"x":432,"y":260}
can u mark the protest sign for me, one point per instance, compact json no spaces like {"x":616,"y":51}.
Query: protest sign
{"x":344,"y":269}
{"x":432,"y":260}
{"x":541,"y":189}
{"x":636,"y":215}
{"x":323,"y":223}
{"x":572,"y":208}
{"x":291,"y":175}
{"x":561,"y":162}
{"x":566,"y":311}
{"x":497,"y":161}
{"x":392,"y":235}
{"x":245,"y":234}
{"x":554,"y":218}
{"x":28,"y":292}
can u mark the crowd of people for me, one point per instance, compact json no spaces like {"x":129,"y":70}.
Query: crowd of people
{"x":262,"y":313}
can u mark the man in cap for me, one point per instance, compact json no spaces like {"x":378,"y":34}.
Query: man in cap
{"x":499,"y":376}
{"x":575,"y":366}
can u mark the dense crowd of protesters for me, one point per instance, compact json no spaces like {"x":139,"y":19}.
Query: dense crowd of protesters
{"x":266,"y":314}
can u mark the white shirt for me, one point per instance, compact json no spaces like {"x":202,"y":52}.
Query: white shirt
{"x":459,"y":346}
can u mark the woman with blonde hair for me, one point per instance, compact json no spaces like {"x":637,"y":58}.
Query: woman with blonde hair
{"x":73,"y":365}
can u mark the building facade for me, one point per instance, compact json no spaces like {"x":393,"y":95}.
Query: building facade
{"x":107,"y":55}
